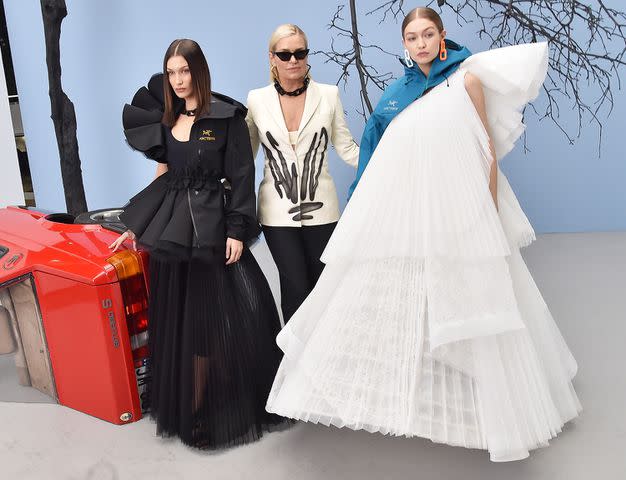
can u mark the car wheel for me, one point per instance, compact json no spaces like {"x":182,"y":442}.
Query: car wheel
{"x":109,"y":218}
{"x":104,"y":215}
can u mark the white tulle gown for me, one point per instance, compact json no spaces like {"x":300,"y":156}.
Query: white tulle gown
{"x":426,"y":321}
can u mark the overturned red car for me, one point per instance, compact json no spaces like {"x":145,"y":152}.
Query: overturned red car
{"x":72,"y":314}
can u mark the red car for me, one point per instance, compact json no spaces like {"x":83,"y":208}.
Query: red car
{"x":73,"y":314}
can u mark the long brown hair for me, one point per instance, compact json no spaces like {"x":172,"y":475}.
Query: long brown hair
{"x":200,"y":78}
{"x":422,"y":12}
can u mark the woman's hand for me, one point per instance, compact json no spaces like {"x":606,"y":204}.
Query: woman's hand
{"x":493,"y":176}
{"x":234,"y":249}
{"x":127,"y":235}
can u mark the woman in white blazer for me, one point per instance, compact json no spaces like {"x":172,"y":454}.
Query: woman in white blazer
{"x":295,"y":120}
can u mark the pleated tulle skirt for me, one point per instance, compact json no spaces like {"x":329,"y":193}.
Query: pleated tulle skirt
{"x":212,"y":330}
{"x":426,"y":321}
{"x":359,"y":354}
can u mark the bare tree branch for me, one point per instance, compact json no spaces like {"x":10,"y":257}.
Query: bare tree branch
{"x":587,"y":49}
{"x":392,"y":8}
{"x":352,"y":56}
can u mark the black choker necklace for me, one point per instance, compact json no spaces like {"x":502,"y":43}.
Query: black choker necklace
{"x":190,"y":113}
{"x":294,"y":93}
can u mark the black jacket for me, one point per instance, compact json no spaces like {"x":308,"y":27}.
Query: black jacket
{"x":213,"y":197}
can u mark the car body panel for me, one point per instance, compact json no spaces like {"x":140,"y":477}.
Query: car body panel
{"x":82,"y":310}
{"x":37,"y":244}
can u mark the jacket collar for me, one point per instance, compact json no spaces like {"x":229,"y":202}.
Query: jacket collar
{"x":311,"y":103}
{"x":221,"y":106}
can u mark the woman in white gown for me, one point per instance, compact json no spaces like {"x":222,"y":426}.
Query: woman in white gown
{"x":426,"y":321}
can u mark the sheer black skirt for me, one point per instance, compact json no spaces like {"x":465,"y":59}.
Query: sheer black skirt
{"x":212,"y":340}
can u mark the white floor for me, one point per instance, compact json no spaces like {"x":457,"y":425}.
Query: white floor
{"x":582,"y":279}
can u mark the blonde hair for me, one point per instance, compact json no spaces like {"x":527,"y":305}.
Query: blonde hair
{"x":283,"y":31}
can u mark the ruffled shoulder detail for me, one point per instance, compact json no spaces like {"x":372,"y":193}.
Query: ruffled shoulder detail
{"x":511,"y":77}
{"x":142,"y":119}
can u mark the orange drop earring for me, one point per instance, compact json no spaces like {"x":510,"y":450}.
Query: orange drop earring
{"x":443,"y":53}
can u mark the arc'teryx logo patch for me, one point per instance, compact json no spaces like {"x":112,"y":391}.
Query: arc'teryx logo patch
{"x":207,"y":135}
{"x":391,"y":105}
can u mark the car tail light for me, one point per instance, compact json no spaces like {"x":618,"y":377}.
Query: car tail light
{"x":129,"y":267}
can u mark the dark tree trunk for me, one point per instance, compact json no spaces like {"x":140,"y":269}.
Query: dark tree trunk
{"x":358,"y":59}
{"x":63,"y":115}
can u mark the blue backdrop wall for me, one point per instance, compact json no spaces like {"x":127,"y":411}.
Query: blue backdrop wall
{"x":111,"y":48}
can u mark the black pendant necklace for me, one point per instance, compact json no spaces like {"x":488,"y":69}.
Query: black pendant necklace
{"x":294,"y":93}
{"x":190,"y":113}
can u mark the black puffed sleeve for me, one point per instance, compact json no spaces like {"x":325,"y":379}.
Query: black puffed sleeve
{"x":241,"y":220}
{"x":142,"y":120}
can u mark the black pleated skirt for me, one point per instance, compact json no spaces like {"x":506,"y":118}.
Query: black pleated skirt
{"x":212,"y":341}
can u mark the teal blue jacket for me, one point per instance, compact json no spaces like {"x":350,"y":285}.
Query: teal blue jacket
{"x":399,"y":95}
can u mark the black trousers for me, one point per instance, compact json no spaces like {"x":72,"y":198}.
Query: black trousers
{"x":296,"y":252}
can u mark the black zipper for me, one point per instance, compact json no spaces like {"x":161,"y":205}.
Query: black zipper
{"x":193,"y":220}
{"x":193,"y":138}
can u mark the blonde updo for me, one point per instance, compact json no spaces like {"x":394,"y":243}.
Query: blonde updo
{"x":283,"y":31}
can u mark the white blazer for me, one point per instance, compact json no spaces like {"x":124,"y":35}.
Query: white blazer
{"x":297,"y":188}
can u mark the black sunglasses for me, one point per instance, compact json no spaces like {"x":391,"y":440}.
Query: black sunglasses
{"x":286,"y":56}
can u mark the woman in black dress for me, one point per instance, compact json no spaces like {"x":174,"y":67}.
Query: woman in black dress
{"x":213,"y":319}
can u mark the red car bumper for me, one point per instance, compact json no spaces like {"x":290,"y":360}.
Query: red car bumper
{"x":78,"y":315}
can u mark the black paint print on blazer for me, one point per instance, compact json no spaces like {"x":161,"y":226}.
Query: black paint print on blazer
{"x":288,"y":180}
{"x":282,"y":176}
